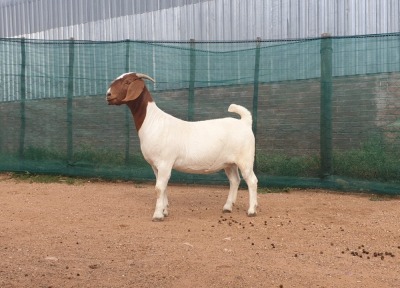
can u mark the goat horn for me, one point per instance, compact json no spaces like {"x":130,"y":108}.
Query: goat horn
{"x":140,"y":75}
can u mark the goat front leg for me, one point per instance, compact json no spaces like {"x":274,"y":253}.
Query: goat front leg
{"x":161,"y":210}
{"x":166,"y":204}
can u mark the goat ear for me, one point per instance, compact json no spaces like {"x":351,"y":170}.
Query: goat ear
{"x":134,"y":90}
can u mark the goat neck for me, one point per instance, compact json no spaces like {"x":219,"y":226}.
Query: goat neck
{"x":138,"y":107}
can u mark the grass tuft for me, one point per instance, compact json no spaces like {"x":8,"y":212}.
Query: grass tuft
{"x":44,"y":178}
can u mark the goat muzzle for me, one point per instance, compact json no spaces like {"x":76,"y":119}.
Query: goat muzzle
{"x":111,"y":101}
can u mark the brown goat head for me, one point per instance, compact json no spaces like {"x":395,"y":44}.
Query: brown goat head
{"x":125,"y":88}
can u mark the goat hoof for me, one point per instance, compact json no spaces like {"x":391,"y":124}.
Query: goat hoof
{"x":227,"y":208}
{"x":158,"y":219}
{"x":252,"y":214}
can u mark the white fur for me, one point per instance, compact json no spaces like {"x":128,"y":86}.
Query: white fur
{"x":199,"y":147}
{"x":123,"y":75}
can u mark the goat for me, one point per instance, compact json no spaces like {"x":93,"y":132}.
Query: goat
{"x":199,"y":147}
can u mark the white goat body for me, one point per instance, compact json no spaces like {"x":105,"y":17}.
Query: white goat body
{"x":193,"y":147}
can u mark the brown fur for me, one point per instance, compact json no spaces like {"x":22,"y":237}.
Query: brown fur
{"x":132,"y":91}
{"x":139,"y":107}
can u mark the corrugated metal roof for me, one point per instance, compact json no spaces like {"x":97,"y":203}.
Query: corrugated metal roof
{"x":205,"y":20}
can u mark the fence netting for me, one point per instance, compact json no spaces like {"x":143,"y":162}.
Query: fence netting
{"x":326,"y":111}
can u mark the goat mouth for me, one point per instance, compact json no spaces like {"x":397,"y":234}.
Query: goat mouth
{"x":114,"y":101}
{"x":110,"y":101}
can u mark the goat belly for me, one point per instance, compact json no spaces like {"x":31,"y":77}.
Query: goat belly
{"x":198,"y":164}
{"x":199,"y":169}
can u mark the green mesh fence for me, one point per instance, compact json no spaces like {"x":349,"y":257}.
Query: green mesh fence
{"x":326,"y":111}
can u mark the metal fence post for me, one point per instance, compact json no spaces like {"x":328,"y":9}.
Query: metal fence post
{"x":192,"y":80}
{"x":255,"y":90}
{"x":326,"y":106}
{"x":127,"y":111}
{"x":70,"y":93}
{"x":23,"y":98}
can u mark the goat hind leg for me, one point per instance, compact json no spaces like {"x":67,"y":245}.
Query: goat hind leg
{"x":251,"y":181}
{"x":166,"y":204}
{"x":232,"y":173}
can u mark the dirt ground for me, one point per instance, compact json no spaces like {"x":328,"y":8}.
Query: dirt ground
{"x":100,"y":234}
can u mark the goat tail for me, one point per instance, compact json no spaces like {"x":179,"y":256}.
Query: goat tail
{"x":245,"y":114}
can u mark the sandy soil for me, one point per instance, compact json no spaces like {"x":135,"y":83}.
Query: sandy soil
{"x":101,"y":235}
